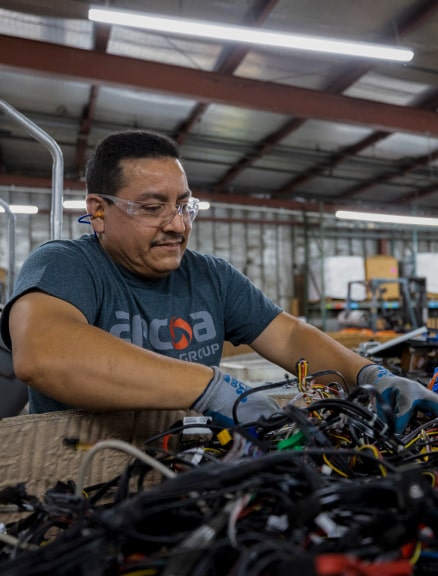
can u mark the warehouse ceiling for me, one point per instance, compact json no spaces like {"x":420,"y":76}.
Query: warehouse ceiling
{"x":267,"y":126}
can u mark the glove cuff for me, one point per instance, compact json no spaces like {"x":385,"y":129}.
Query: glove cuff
{"x":371,"y":373}
{"x":201,"y":402}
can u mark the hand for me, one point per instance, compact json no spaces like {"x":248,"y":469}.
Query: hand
{"x":219,"y":397}
{"x":403,"y":395}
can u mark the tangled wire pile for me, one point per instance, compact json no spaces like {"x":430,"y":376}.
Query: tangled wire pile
{"x":322,"y":488}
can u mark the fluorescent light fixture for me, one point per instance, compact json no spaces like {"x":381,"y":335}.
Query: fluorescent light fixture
{"x":386,"y":218}
{"x":204,"y":205}
{"x":21,"y":209}
{"x":74,"y":204}
{"x":199,"y":29}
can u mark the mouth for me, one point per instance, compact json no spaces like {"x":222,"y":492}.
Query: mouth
{"x":168,"y":243}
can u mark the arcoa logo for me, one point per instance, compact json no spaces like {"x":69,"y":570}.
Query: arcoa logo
{"x":163,"y":334}
{"x":177,"y":325}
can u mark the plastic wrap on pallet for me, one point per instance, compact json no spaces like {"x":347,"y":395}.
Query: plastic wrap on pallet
{"x":329,"y":277}
{"x":427,"y":266}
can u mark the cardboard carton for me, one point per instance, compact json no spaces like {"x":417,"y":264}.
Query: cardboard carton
{"x":33,"y":449}
{"x":383,"y":266}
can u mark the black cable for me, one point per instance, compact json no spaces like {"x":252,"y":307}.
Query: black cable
{"x":254,"y":390}
{"x":273,"y":475}
{"x":386,"y":410}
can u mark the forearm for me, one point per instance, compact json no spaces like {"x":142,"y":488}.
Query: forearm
{"x":287,"y":340}
{"x":83,"y":366}
{"x":119,"y":376}
{"x":324,"y":353}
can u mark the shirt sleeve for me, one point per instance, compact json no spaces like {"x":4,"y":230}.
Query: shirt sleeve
{"x":248,"y":311}
{"x":58,"y":270}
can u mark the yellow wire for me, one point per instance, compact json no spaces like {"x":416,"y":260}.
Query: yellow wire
{"x":327,"y":461}
{"x":432,"y":432}
{"x":339,"y":437}
{"x":414,"y":559}
{"x":432,"y":475}
{"x":213,"y":450}
{"x":377,"y":454}
{"x":372,"y":448}
{"x":143,"y":572}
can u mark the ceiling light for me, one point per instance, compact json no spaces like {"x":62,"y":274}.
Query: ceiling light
{"x":204,"y":205}
{"x":386,"y":218}
{"x":197,"y":28}
{"x":21,"y":209}
{"x":74,"y":204}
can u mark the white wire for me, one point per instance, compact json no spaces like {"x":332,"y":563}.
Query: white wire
{"x":236,"y":509}
{"x":122,"y":447}
{"x":13,"y":541}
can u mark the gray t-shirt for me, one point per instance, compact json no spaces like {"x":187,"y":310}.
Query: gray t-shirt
{"x":186,"y":315}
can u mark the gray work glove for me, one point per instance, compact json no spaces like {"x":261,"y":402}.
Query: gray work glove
{"x":403,"y":395}
{"x":218,"y":399}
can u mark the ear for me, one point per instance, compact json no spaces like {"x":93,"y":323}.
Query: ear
{"x":95,"y":209}
{"x":95,"y":206}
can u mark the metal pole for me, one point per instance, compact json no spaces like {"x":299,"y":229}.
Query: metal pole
{"x":57,"y":167}
{"x":11,"y":254}
{"x":322,"y":271}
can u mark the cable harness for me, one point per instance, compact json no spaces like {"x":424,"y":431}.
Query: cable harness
{"x":323,"y":487}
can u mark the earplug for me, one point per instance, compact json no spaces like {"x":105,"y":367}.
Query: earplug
{"x":98,"y":214}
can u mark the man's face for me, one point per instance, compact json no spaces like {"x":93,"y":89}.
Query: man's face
{"x":149,"y":252}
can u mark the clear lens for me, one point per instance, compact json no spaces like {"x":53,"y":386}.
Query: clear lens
{"x":156,"y":214}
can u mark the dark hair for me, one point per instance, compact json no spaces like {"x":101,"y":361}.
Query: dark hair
{"x":104,"y":173}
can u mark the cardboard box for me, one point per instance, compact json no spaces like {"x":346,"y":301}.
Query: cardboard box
{"x":383,"y":266}
{"x":32,"y":448}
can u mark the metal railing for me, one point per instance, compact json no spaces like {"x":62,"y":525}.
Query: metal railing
{"x":57,"y":167}
{"x":11,"y":251}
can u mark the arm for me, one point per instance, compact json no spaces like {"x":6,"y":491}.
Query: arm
{"x":58,"y":353}
{"x":286,"y":340}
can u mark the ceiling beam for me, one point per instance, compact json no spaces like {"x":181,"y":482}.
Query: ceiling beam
{"x":17,"y":181}
{"x":20,"y":180}
{"x":58,"y":9}
{"x":229,"y":59}
{"x":88,"y":66}
{"x":101,"y":38}
{"x":343,"y":77}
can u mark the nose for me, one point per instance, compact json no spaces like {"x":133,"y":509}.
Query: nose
{"x":176,"y":221}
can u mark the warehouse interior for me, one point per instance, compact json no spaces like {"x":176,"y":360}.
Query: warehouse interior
{"x":275,"y":143}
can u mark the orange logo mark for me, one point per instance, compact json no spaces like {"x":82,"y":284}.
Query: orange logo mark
{"x":185,"y":338}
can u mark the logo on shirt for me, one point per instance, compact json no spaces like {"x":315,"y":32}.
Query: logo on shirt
{"x":181,"y":333}
{"x":163,"y":334}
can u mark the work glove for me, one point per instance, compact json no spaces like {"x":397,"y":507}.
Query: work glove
{"x":218,"y":399}
{"x":404,"y":396}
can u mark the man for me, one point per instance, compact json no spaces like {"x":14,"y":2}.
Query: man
{"x":127,"y":318}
